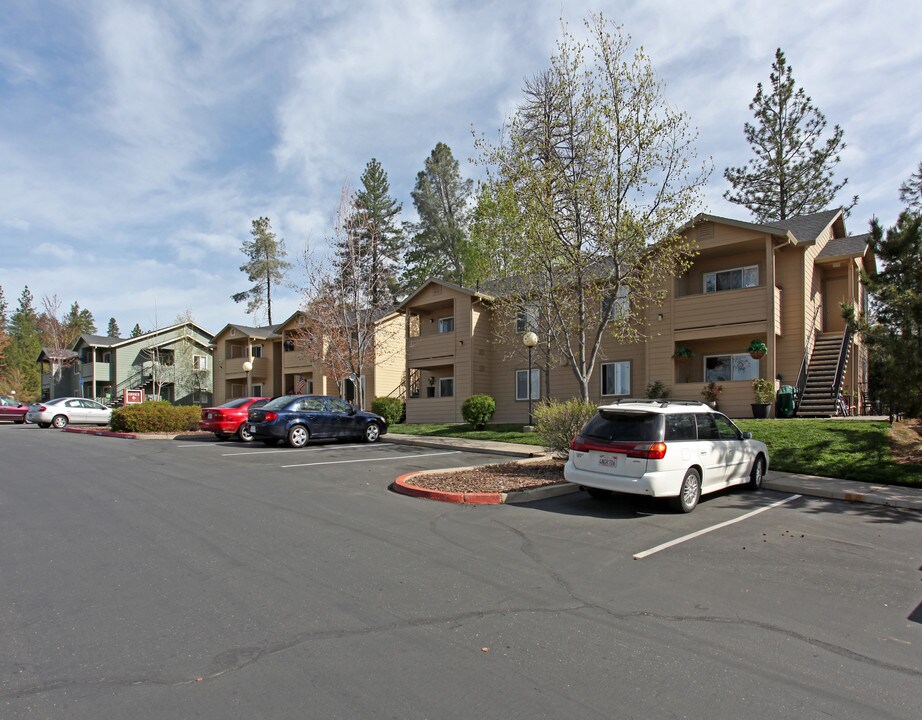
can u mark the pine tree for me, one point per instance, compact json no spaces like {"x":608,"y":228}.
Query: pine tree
{"x":911,"y":191}
{"x":440,"y":244}
{"x":4,"y":335}
{"x":77,"y":322}
{"x":25,"y":346}
{"x":791,"y":172}
{"x":113,"y":331}
{"x":378,"y":232}
{"x":266,"y":267}
{"x":136,"y":331}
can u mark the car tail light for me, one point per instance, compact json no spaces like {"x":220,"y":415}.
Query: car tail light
{"x":270,"y":416}
{"x":42,"y":408}
{"x":647,"y":451}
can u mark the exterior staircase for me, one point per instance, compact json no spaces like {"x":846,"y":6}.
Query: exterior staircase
{"x":819,"y":400}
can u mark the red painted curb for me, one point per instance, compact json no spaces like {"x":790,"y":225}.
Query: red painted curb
{"x":400,"y":485}
{"x":101,"y":433}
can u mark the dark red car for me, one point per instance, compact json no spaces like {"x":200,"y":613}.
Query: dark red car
{"x":231,"y":418}
{"x":12,"y":409}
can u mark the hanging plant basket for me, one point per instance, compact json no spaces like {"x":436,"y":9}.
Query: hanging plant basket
{"x":757,"y":349}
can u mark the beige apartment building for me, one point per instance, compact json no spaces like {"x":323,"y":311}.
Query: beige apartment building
{"x":279,"y":366}
{"x":782,"y":283}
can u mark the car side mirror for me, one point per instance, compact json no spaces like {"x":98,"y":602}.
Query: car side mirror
{"x":747,"y":436}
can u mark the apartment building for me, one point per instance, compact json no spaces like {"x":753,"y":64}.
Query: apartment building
{"x":781,"y":283}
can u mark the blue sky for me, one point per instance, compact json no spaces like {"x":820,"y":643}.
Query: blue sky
{"x":140,"y":138}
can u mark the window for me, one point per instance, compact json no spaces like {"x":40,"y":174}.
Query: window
{"x":681,"y":427}
{"x":107,"y":357}
{"x":446,"y":387}
{"x":340,"y":406}
{"x":288,"y":345}
{"x":527,"y":318}
{"x":76,"y":368}
{"x":521,"y":384}
{"x":745,"y":277}
{"x":720,"y":368}
{"x":619,"y":306}
{"x":446,"y":325}
{"x":726,"y":430}
{"x":256,"y":351}
{"x":256,"y":390}
{"x":199,"y":362}
{"x":616,"y":378}
{"x":707,"y":428}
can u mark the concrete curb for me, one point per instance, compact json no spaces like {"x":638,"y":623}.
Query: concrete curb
{"x":847,"y":490}
{"x":101,"y":433}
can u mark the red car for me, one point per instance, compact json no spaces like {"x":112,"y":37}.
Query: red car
{"x":12,"y":409}
{"x":231,"y":418}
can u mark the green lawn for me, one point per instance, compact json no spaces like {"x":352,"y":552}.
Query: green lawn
{"x":848,"y":449}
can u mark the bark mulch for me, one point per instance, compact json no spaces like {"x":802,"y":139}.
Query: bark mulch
{"x":507,"y":477}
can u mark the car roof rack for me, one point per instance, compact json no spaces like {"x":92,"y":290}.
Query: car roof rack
{"x":662,"y":402}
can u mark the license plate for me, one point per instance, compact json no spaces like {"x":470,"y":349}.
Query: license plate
{"x":608,"y":460}
{"x":252,"y":428}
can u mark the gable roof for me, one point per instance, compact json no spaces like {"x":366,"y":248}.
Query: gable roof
{"x":444,"y":283}
{"x":264,"y":332}
{"x":111,"y":342}
{"x":801,"y":229}
{"x":848,"y":247}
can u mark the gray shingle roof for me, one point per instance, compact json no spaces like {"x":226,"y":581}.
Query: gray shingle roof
{"x":101,"y":340}
{"x":806,"y":227}
{"x":854,"y":246}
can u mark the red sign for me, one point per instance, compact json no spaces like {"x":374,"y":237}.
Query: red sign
{"x":133,"y":397}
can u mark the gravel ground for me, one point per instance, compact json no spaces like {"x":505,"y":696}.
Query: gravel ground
{"x":494,"y":478}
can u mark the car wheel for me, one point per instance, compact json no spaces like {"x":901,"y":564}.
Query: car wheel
{"x":598,"y":493}
{"x":298,"y":435}
{"x":44,"y":425}
{"x":221,"y":436}
{"x":372,"y":433}
{"x":689,"y":493}
{"x":271,"y":442}
{"x":757,"y":474}
{"x":243,"y":433}
{"x":20,"y":422}
{"x":59,"y":421}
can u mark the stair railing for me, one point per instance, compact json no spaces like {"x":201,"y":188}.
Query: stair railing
{"x":801,"y":383}
{"x":841,"y":363}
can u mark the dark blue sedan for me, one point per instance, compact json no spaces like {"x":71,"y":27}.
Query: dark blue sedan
{"x":298,"y":418}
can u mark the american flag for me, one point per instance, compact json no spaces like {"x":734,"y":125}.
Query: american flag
{"x":300,"y":384}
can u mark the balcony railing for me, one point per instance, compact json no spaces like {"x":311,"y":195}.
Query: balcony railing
{"x":721,"y":308}
{"x":234,"y":367}
{"x":440,"y":346}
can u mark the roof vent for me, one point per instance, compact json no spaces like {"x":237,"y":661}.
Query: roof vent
{"x":705,"y":231}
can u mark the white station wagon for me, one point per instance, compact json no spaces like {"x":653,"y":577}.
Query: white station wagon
{"x":678,"y":449}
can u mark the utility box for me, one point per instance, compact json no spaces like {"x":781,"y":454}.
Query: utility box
{"x":784,"y":402}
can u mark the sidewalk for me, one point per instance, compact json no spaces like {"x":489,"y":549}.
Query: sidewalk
{"x":814,"y":486}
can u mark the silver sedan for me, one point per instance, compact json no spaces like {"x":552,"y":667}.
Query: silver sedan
{"x":65,"y":411}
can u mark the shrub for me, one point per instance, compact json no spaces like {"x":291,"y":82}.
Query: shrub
{"x":390,"y":408}
{"x":478,"y":410}
{"x":657,"y":390}
{"x":156,"y":416}
{"x":557,"y":423}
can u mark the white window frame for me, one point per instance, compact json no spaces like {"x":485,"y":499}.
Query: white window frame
{"x":742,"y":270}
{"x":620,"y":305}
{"x":256,"y":351}
{"x":441,"y":384}
{"x":199,"y":362}
{"x":444,"y":321}
{"x":526,"y":319}
{"x":737,"y":362}
{"x":535,"y":384}
{"x":626,"y":365}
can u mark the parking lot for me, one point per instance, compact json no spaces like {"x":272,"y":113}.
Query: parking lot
{"x":196,"y":578}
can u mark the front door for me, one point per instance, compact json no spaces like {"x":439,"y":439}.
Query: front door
{"x":835,"y":292}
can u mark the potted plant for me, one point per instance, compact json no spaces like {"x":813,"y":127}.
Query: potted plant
{"x":757,"y":349}
{"x":711,"y":392}
{"x":764,"y":392}
{"x":683,"y":354}
{"x":430,"y":391}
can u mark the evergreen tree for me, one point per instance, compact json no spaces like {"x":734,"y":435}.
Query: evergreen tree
{"x":78,"y":321}
{"x":266,"y":267}
{"x":895,"y":335}
{"x":440,"y":246}
{"x":4,"y":335}
{"x":791,"y":172}
{"x":136,"y":331}
{"x":378,"y":232}
{"x":113,"y":331}
{"x":911,"y":191}
{"x":25,"y":346}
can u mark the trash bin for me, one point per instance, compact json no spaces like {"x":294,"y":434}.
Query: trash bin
{"x":784,"y":402}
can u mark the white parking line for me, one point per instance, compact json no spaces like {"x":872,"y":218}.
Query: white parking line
{"x":378,"y":459}
{"x":647,"y":553}
{"x":297,"y":450}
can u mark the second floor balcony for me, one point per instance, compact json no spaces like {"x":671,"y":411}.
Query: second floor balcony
{"x":731,"y":307}
{"x":440,"y":346}
{"x":233,"y":368}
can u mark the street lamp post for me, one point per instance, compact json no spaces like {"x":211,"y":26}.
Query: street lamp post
{"x":247,"y":367}
{"x":529,"y":339}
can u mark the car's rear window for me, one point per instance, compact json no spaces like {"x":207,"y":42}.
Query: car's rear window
{"x":235,"y":403}
{"x":625,"y":426}
{"x":281,"y":402}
